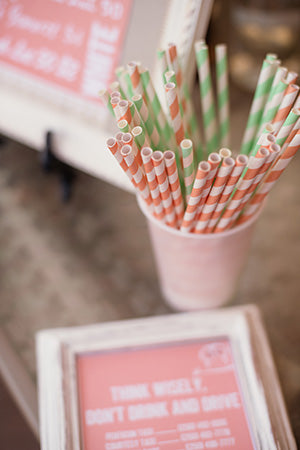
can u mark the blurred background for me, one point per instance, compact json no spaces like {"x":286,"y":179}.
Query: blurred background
{"x":75,"y":250}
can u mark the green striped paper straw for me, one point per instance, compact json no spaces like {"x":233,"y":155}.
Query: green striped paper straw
{"x":134,"y":114}
{"x":264,"y":84}
{"x":123,"y":126}
{"x":153,"y":102}
{"x":275,"y":97}
{"x":121,"y":76}
{"x":163,"y":63}
{"x":271,"y":56}
{"x":223,"y":93}
{"x":287,"y":126}
{"x":147,"y":119}
{"x":193,"y":125}
{"x":105,"y":99}
{"x":207,"y":100}
{"x":188,"y":166}
{"x":140,"y":137}
{"x":125,"y":81}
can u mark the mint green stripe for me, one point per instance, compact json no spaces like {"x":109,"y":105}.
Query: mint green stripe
{"x":223,"y":98}
{"x":212,"y":144}
{"x":224,"y":127}
{"x":209,"y":115}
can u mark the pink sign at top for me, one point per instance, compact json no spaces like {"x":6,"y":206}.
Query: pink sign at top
{"x":75,"y":44}
{"x":183,"y":396}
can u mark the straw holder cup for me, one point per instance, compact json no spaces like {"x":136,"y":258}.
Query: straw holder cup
{"x":198,"y":271}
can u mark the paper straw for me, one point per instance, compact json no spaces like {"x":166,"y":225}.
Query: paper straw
{"x":254,"y":165}
{"x":189,"y":118}
{"x":114,"y":101}
{"x":193,"y":127}
{"x":163,"y":63}
{"x":207,"y":100}
{"x":271,"y":56}
{"x":195,"y":197}
{"x":138,"y":176}
{"x":188,"y":165}
{"x":279,"y":167}
{"x":128,"y":139}
{"x":125,"y":113}
{"x":135,"y":78}
{"x":173,"y":177}
{"x":288,"y":126}
{"x":214,"y":160}
{"x":215,"y":194}
{"x":225,"y":153}
{"x":123,"y":126}
{"x":124,"y":81}
{"x":104,"y":96}
{"x":164,"y":188}
{"x":146,"y":155}
{"x":269,"y":129}
{"x":223,"y":92}
{"x":171,"y":78}
{"x":291,"y":135}
{"x":173,"y":62}
{"x":274,"y":150}
{"x":289,"y":97}
{"x":136,"y":119}
{"x":264,"y":84}
{"x":147,"y":119}
{"x":274,"y":98}
{"x":173,"y":104}
{"x":114,"y":148}
{"x":116,"y":86}
{"x":119,"y":139}
{"x":291,"y":77}
{"x":240,"y":164}
{"x":140,"y":137}
{"x":153,"y":100}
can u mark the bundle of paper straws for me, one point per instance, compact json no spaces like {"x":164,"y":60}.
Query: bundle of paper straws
{"x":163,"y":154}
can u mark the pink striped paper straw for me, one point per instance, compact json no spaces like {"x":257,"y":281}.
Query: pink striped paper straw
{"x":128,"y":139}
{"x":174,"y":63}
{"x":195,"y":197}
{"x":214,"y":196}
{"x":255,"y":163}
{"x":286,"y":105}
{"x":274,"y":150}
{"x":164,"y":188}
{"x":172,"y":172}
{"x":146,"y":154}
{"x":113,"y":147}
{"x":137,"y":174}
{"x":291,"y":77}
{"x":116,"y":94}
{"x":114,"y":101}
{"x":125,"y":112}
{"x":173,"y":104}
{"x":292,"y":134}
{"x":277,"y":170}
{"x":119,"y":139}
{"x":136,"y":81}
{"x":214,"y":160}
{"x":240,"y":164}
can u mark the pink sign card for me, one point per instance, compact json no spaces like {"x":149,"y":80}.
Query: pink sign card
{"x":74,"y":44}
{"x":179,"y":396}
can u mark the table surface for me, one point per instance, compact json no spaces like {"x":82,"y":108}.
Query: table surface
{"x":90,"y":260}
